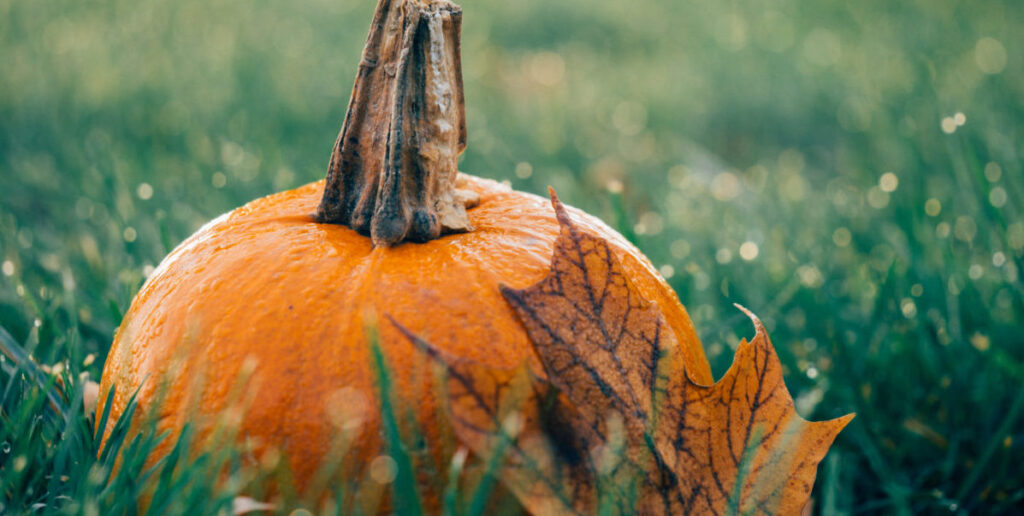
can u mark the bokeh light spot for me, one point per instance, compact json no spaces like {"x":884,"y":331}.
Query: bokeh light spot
{"x":725,"y":186}
{"x":948,"y":125}
{"x":888,"y":182}
{"x":965,"y":228}
{"x":651,"y":223}
{"x":877,"y":198}
{"x":630,"y":117}
{"x":908,"y":307}
{"x":810,"y":276}
{"x":749,"y":251}
{"x":144,"y":191}
{"x":975,"y":272}
{"x":680,"y":249}
{"x":997,"y":197}
{"x":990,"y":55}
{"x":1015,"y":235}
{"x":981,"y":342}
{"x":219,"y":180}
{"x":546,"y":68}
{"x":347,"y":408}
{"x":842,"y":237}
{"x":524,"y":170}
{"x":667,"y":271}
{"x":723,"y":256}
{"x":993,"y":172}
{"x":998,"y":259}
{"x":383,"y":469}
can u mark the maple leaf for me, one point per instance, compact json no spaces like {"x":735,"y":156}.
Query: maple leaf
{"x":609,"y":422}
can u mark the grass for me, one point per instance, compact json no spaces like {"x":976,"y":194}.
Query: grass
{"x":804,"y":159}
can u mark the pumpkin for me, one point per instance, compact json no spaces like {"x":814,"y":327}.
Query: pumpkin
{"x":276,"y":297}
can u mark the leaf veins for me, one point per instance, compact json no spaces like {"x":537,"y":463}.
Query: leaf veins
{"x":613,"y":424}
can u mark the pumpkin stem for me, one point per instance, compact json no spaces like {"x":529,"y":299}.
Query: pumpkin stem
{"x":393,"y":170}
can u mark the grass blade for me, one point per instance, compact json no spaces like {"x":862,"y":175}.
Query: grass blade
{"x":405,"y":496}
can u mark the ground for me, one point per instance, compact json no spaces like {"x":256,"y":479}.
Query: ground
{"x":849,"y":171}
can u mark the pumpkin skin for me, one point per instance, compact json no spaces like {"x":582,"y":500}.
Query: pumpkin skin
{"x":267,"y":289}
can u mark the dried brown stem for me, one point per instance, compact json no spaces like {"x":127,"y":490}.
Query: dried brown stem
{"x":392,"y":174}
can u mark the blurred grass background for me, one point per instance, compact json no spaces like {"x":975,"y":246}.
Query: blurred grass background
{"x":850,"y":171}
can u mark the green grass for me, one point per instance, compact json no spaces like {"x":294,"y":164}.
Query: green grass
{"x":126,"y":125}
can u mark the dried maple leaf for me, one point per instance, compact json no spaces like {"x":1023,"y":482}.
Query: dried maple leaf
{"x":610,"y":422}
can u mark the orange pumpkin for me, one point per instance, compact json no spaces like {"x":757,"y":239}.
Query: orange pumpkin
{"x":279,"y":291}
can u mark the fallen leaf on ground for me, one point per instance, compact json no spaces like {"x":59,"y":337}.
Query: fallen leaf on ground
{"x":609,"y":422}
